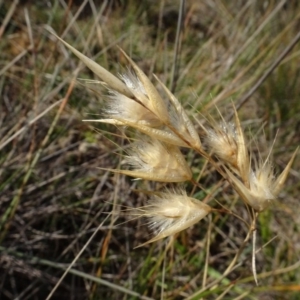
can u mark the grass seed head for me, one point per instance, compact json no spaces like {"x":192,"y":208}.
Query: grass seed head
{"x":263,"y":185}
{"x":222,"y":141}
{"x":153,"y":160}
{"x":172,"y":212}
{"x":124,"y":108}
{"x":261,"y":182}
{"x":180,"y":121}
{"x":243,"y":160}
{"x":259,"y":195}
{"x":157,"y":104}
{"x":227,"y":141}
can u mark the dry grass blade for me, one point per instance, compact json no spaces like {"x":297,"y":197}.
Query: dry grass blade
{"x":8,"y":16}
{"x":6,"y":141}
{"x":10,"y":211}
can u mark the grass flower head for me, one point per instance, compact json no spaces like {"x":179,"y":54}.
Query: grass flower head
{"x":171,"y":212}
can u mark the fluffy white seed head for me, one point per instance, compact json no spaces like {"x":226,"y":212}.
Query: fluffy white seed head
{"x":261,"y":183}
{"x":180,"y":121}
{"x":228,"y":142}
{"x":121,"y":108}
{"x":259,"y":193}
{"x":222,"y":141}
{"x":133,"y":82}
{"x":243,"y":160}
{"x":154,"y":160}
{"x":156,"y":103}
{"x":172,"y":212}
{"x":133,"y":87}
{"x":263,"y":187}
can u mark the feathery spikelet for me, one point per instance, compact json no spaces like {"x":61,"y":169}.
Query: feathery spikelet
{"x":154,"y":160}
{"x":180,"y":121}
{"x":136,"y":102}
{"x":156,"y":103}
{"x":172,"y":212}
{"x":227,"y":142}
{"x":123,"y":108}
{"x":223,"y":142}
{"x":259,"y":195}
{"x":243,"y":160}
{"x":142,"y":90}
{"x":263,"y":186}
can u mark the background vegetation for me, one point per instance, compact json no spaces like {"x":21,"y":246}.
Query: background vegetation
{"x":52,"y":195}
